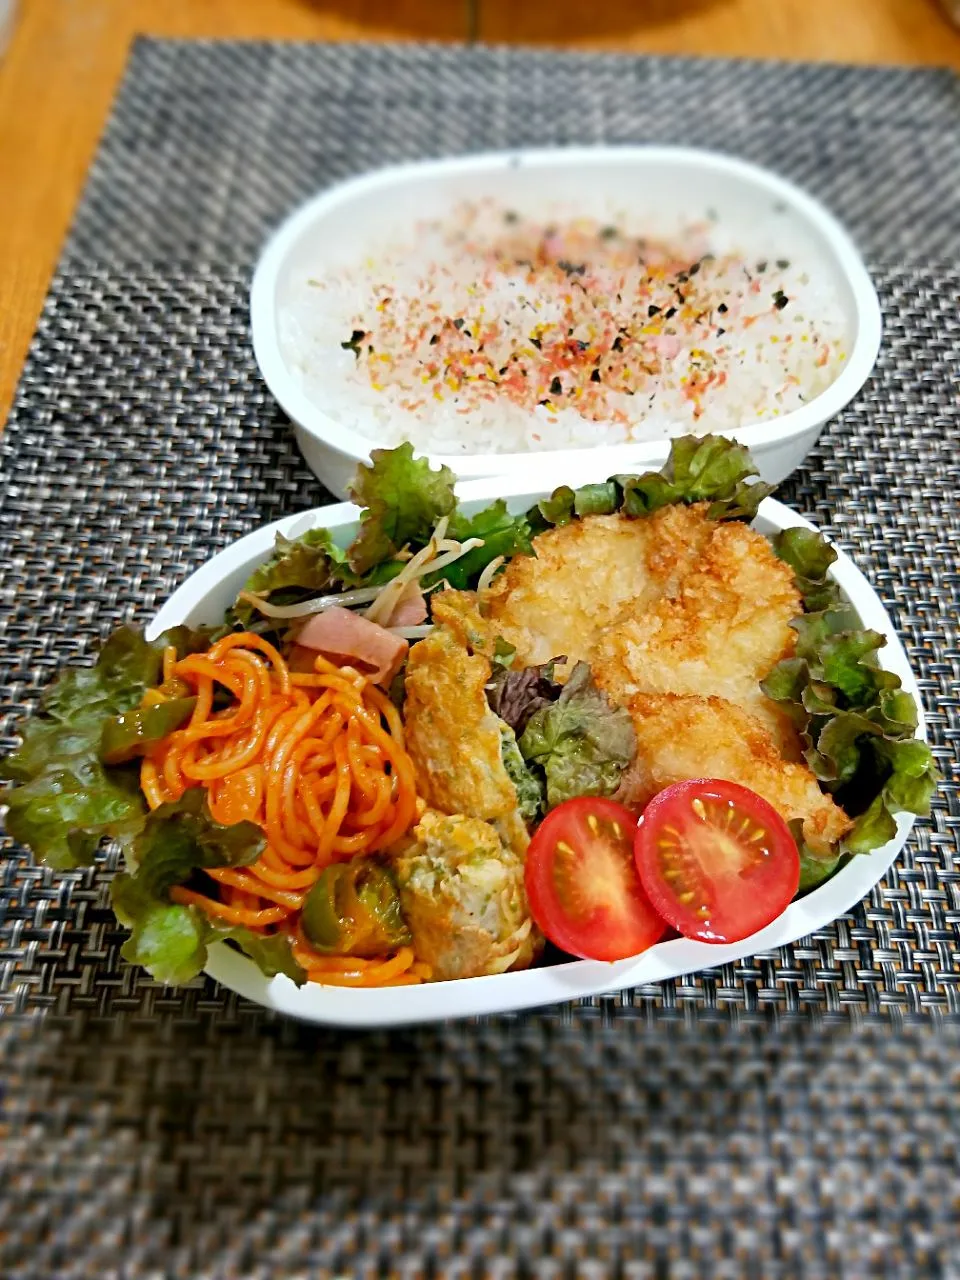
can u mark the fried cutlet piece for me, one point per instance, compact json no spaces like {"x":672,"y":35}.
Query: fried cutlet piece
{"x":584,"y":573}
{"x":453,"y":737}
{"x":681,"y":737}
{"x":723,"y":631}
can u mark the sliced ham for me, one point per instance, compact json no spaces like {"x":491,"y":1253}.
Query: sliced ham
{"x":410,"y":609}
{"x":347,"y":636}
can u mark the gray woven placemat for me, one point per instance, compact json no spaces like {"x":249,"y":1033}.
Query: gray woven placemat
{"x":792,"y":1116}
{"x":211,"y":146}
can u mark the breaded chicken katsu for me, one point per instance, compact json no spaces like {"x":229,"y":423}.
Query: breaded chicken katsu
{"x":680,"y":617}
{"x":682,"y":736}
{"x":585,"y":574}
{"x":724,"y":628}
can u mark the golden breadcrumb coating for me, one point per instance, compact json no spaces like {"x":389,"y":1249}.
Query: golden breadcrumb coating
{"x":562,"y":600}
{"x":681,"y":736}
{"x":452,"y":736}
{"x":722,"y":631}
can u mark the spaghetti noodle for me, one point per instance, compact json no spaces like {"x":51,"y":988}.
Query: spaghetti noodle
{"x":315,"y":758}
{"x":397,"y":970}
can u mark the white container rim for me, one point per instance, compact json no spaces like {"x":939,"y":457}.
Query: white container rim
{"x":302,"y":410}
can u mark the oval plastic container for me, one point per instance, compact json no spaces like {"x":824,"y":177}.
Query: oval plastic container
{"x":662,"y":187}
{"x":205,"y":596}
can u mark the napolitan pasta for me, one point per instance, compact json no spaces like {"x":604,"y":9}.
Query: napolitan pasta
{"x":315,"y":758}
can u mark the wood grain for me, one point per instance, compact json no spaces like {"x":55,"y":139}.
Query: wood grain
{"x":879,"y":31}
{"x":57,"y":81}
{"x":60,"y":72}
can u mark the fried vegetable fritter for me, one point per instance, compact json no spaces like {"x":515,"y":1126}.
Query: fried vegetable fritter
{"x":453,"y":737}
{"x":463,"y":898}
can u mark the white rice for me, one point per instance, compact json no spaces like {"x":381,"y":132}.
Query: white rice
{"x":461,"y":345}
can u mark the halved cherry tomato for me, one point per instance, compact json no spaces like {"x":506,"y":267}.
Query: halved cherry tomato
{"x":717,"y":861}
{"x":582,"y":883}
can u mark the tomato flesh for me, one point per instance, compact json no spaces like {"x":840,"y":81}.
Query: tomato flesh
{"x":582,"y":882}
{"x":716,"y":861}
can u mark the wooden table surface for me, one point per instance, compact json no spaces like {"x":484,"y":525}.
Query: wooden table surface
{"x":65,"y":57}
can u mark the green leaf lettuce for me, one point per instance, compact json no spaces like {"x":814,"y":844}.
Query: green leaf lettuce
{"x":708,"y":469}
{"x":581,"y":742}
{"x":856,"y":722}
{"x":170,"y":939}
{"x":402,"y":499}
{"x":503,"y":535}
{"x":810,"y":556}
{"x":298,"y":569}
{"x":64,"y":800}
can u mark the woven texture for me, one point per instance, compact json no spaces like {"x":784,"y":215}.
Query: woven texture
{"x":209,"y":147}
{"x":791,"y":1116}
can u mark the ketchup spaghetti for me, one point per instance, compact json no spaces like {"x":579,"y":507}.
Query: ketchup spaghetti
{"x":315,"y":758}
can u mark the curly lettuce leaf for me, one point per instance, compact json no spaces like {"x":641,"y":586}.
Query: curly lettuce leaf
{"x":182,"y":837}
{"x":63,"y":813}
{"x":516,"y":695}
{"x":699,"y":469}
{"x":308,"y":563}
{"x":910,"y":778}
{"x":836,"y":756}
{"x":856,"y":722}
{"x":297,"y":569}
{"x":873,"y":828}
{"x":810,"y":556}
{"x":402,"y":499}
{"x":166,"y":939}
{"x":65,"y":801}
{"x":895,"y":713}
{"x":127,"y":665}
{"x":170,"y":940}
{"x":842,"y":655}
{"x":581,"y":742}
